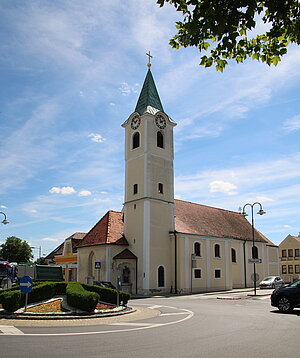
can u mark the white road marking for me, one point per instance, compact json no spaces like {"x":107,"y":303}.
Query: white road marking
{"x":131,"y":324}
{"x":173,"y":314}
{"x":154,"y":307}
{"x":11,"y":330}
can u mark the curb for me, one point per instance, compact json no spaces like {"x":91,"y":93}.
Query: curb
{"x":65,"y":316}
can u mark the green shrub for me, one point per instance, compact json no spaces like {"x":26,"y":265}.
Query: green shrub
{"x":124,"y":298}
{"x":80,"y":298}
{"x":41,"y":292}
{"x":12,"y":300}
{"x":108,"y":295}
{"x":60,"y":288}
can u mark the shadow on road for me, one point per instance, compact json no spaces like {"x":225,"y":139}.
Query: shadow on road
{"x":293,"y":313}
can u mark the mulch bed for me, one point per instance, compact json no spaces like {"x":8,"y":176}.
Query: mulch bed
{"x":55,"y":306}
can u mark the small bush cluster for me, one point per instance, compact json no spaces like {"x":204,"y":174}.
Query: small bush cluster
{"x":12,"y":300}
{"x":79,"y":295}
{"x":80,"y":298}
{"x":108,"y":295}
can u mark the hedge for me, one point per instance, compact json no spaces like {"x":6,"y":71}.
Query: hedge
{"x":108,"y":295}
{"x":79,"y":295}
{"x":12,"y":300}
{"x":80,"y":298}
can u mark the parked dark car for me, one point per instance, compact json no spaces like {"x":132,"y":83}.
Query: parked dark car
{"x":106,"y":284}
{"x":286,"y":298}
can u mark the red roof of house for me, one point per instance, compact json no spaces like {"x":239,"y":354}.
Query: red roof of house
{"x":108,"y":230}
{"x":192,"y":218}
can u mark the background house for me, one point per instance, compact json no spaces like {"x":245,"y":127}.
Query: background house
{"x":65,"y":255}
{"x":289,"y":251}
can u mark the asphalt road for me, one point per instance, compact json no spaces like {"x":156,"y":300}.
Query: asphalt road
{"x":187,"y":326}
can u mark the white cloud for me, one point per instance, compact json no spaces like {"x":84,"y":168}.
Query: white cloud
{"x":222,"y":187}
{"x":84,"y":193}
{"x":95,"y":137}
{"x":263,"y":198}
{"x":127,"y":89}
{"x":65,"y":190}
{"x":50,"y":239}
{"x":292,"y":124}
{"x":3,"y":207}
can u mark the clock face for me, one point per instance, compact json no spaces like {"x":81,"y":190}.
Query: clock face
{"x":135,"y":122}
{"x":160,"y":121}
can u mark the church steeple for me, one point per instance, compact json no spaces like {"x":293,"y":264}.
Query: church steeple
{"x":149,"y":100}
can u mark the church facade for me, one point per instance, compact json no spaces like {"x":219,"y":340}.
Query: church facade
{"x":159,"y":244}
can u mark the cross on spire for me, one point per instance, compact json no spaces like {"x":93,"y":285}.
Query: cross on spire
{"x":149,"y":59}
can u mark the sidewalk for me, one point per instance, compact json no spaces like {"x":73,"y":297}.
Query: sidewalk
{"x":237,"y":293}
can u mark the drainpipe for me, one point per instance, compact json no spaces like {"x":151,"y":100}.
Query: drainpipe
{"x":245,"y":273}
{"x":175,"y":263}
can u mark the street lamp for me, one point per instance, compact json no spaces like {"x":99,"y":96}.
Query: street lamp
{"x":254,"y":248}
{"x":39,"y":248}
{"x":4,"y":221}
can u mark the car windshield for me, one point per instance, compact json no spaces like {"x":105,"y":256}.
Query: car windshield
{"x":268,"y":279}
{"x":294,"y":284}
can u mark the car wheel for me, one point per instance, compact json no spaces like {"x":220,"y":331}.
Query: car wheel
{"x":285,"y":304}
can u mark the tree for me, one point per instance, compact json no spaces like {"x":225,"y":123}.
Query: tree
{"x":223,"y":28}
{"x":16,"y":250}
{"x":41,"y":261}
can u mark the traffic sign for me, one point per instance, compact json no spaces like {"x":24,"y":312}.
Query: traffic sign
{"x":97,"y":265}
{"x":25,"y":284}
{"x":254,"y":261}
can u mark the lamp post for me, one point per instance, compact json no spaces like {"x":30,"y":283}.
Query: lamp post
{"x":4,"y":221}
{"x":254,"y":248}
{"x":39,"y":248}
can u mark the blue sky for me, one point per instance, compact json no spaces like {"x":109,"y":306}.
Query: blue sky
{"x":71,"y":73}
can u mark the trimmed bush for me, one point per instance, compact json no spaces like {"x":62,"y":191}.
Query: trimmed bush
{"x":42,"y":292}
{"x":80,"y":298}
{"x":12,"y":300}
{"x":108,"y":295}
{"x":60,"y":288}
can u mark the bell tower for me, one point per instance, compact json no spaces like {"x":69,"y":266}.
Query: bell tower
{"x":149,"y":189}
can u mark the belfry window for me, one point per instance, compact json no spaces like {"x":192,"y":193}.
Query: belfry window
{"x":160,"y":139}
{"x":160,"y":188}
{"x":136,"y":140}
{"x":135,"y":188}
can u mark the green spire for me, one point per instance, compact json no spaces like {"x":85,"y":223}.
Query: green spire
{"x":149,"y":96}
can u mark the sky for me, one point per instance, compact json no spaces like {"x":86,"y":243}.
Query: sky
{"x":71,"y":72}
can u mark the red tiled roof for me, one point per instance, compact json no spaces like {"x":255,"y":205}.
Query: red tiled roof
{"x":125,"y":254}
{"x":108,"y":230}
{"x":296,"y":238}
{"x":192,"y":218}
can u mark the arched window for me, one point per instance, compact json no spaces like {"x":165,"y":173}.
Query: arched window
{"x":136,"y":140}
{"x":233,"y":255}
{"x":160,"y":139}
{"x":254,"y":252}
{"x":197,"y":249}
{"x":161,"y":276}
{"x":217,"y":250}
{"x":90,"y":264}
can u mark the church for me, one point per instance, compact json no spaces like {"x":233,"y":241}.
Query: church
{"x":157,"y":244}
